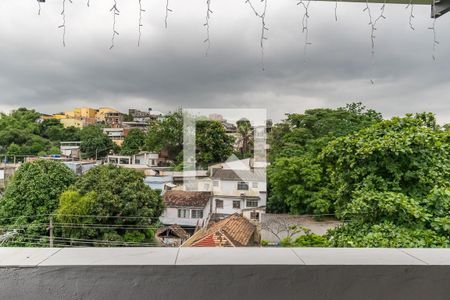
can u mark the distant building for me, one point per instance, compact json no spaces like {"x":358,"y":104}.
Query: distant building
{"x":143,"y":158}
{"x":71,"y":149}
{"x":117,"y":135}
{"x":135,"y":125}
{"x":6,"y":172}
{"x":236,"y":191}
{"x":80,"y":167}
{"x":84,"y":116}
{"x":114,"y":119}
{"x":144,"y":116}
{"x":233,"y":231}
{"x":157,"y":182}
{"x":190,"y":209}
{"x":172,"y":236}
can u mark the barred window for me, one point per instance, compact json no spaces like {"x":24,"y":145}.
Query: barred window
{"x":242,"y":186}
{"x":196,"y":214}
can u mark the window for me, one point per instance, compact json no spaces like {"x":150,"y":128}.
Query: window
{"x":255,"y":185}
{"x":183,"y":213}
{"x":252,"y":203}
{"x":254,"y":215}
{"x":206,"y":187}
{"x":196,"y":214}
{"x":242,"y":186}
{"x":215,"y":183}
{"x":237,"y":204}
{"x":219,"y":203}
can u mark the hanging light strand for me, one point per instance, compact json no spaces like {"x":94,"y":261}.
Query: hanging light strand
{"x":335,"y":11}
{"x":305,"y":26}
{"x":433,"y":29}
{"x":39,"y":7}
{"x":115,"y":11}
{"x":88,"y":3}
{"x":141,"y":10}
{"x":207,"y":27}
{"x":168,"y":10}
{"x":411,"y":14}
{"x":63,"y":25}
{"x":264,"y":29}
{"x":373,"y":28}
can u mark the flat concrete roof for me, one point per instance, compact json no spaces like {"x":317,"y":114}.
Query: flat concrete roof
{"x":33,"y":257}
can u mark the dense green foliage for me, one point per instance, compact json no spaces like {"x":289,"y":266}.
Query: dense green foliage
{"x":392,"y":182}
{"x":213,"y":145}
{"x":298,"y":181}
{"x":245,"y":138}
{"x":32,"y":195}
{"x":134,"y":142}
{"x":167,"y":135}
{"x":94,"y":143}
{"x":118,"y":198}
{"x":22,"y":134}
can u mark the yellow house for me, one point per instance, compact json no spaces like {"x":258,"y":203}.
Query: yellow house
{"x":81,"y":112}
{"x":71,"y":122}
{"x":82,"y":116}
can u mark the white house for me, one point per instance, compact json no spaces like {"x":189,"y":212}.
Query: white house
{"x":148,"y":159}
{"x":186,"y":208}
{"x":71,"y":149}
{"x":239,"y":191}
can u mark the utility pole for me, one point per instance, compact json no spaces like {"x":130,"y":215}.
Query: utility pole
{"x":50,"y":228}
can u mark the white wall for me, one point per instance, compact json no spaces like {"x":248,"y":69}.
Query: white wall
{"x":2,"y":174}
{"x":170,"y":216}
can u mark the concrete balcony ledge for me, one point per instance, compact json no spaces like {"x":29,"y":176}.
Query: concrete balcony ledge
{"x":224,"y":273}
{"x":34,"y":257}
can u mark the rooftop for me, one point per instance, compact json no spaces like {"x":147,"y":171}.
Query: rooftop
{"x":234,"y":231}
{"x":236,"y":175}
{"x":186,"y":198}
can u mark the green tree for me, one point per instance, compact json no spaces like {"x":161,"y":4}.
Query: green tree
{"x":245,"y":138}
{"x":392,"y":183}
{"x":213,"y":145}
{"x":166,"y":135}
{"x":299,"y":185}
{"x":32,"y":195}
{"x":94,"y":143}
{"x":127,"y":209}
{"x":311,"y":131}
{"x":133,"y":143}
{"x":298,"y":180}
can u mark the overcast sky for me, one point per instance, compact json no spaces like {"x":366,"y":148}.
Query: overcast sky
{"x":170,"y":69}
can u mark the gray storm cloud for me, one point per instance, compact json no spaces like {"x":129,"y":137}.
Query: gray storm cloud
{"x":170,"y":70}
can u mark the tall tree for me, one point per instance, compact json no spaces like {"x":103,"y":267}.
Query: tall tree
{"x":245,"y":138}
{"x":134,"y":142}
{"x":213,"y":145}
{"x":127,"y":209}
{"x":298,"y":180}
{"x":392,"y":183}
{"x":94,"y":143}
{"x":166,"y":135}
{"x":32,"y":195}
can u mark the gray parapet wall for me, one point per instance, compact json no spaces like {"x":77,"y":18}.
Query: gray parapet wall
{"x":224,"y":273}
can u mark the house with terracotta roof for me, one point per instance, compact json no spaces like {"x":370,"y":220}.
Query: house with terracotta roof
{"x":186,"y":208}
{"x":233,"y":231}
